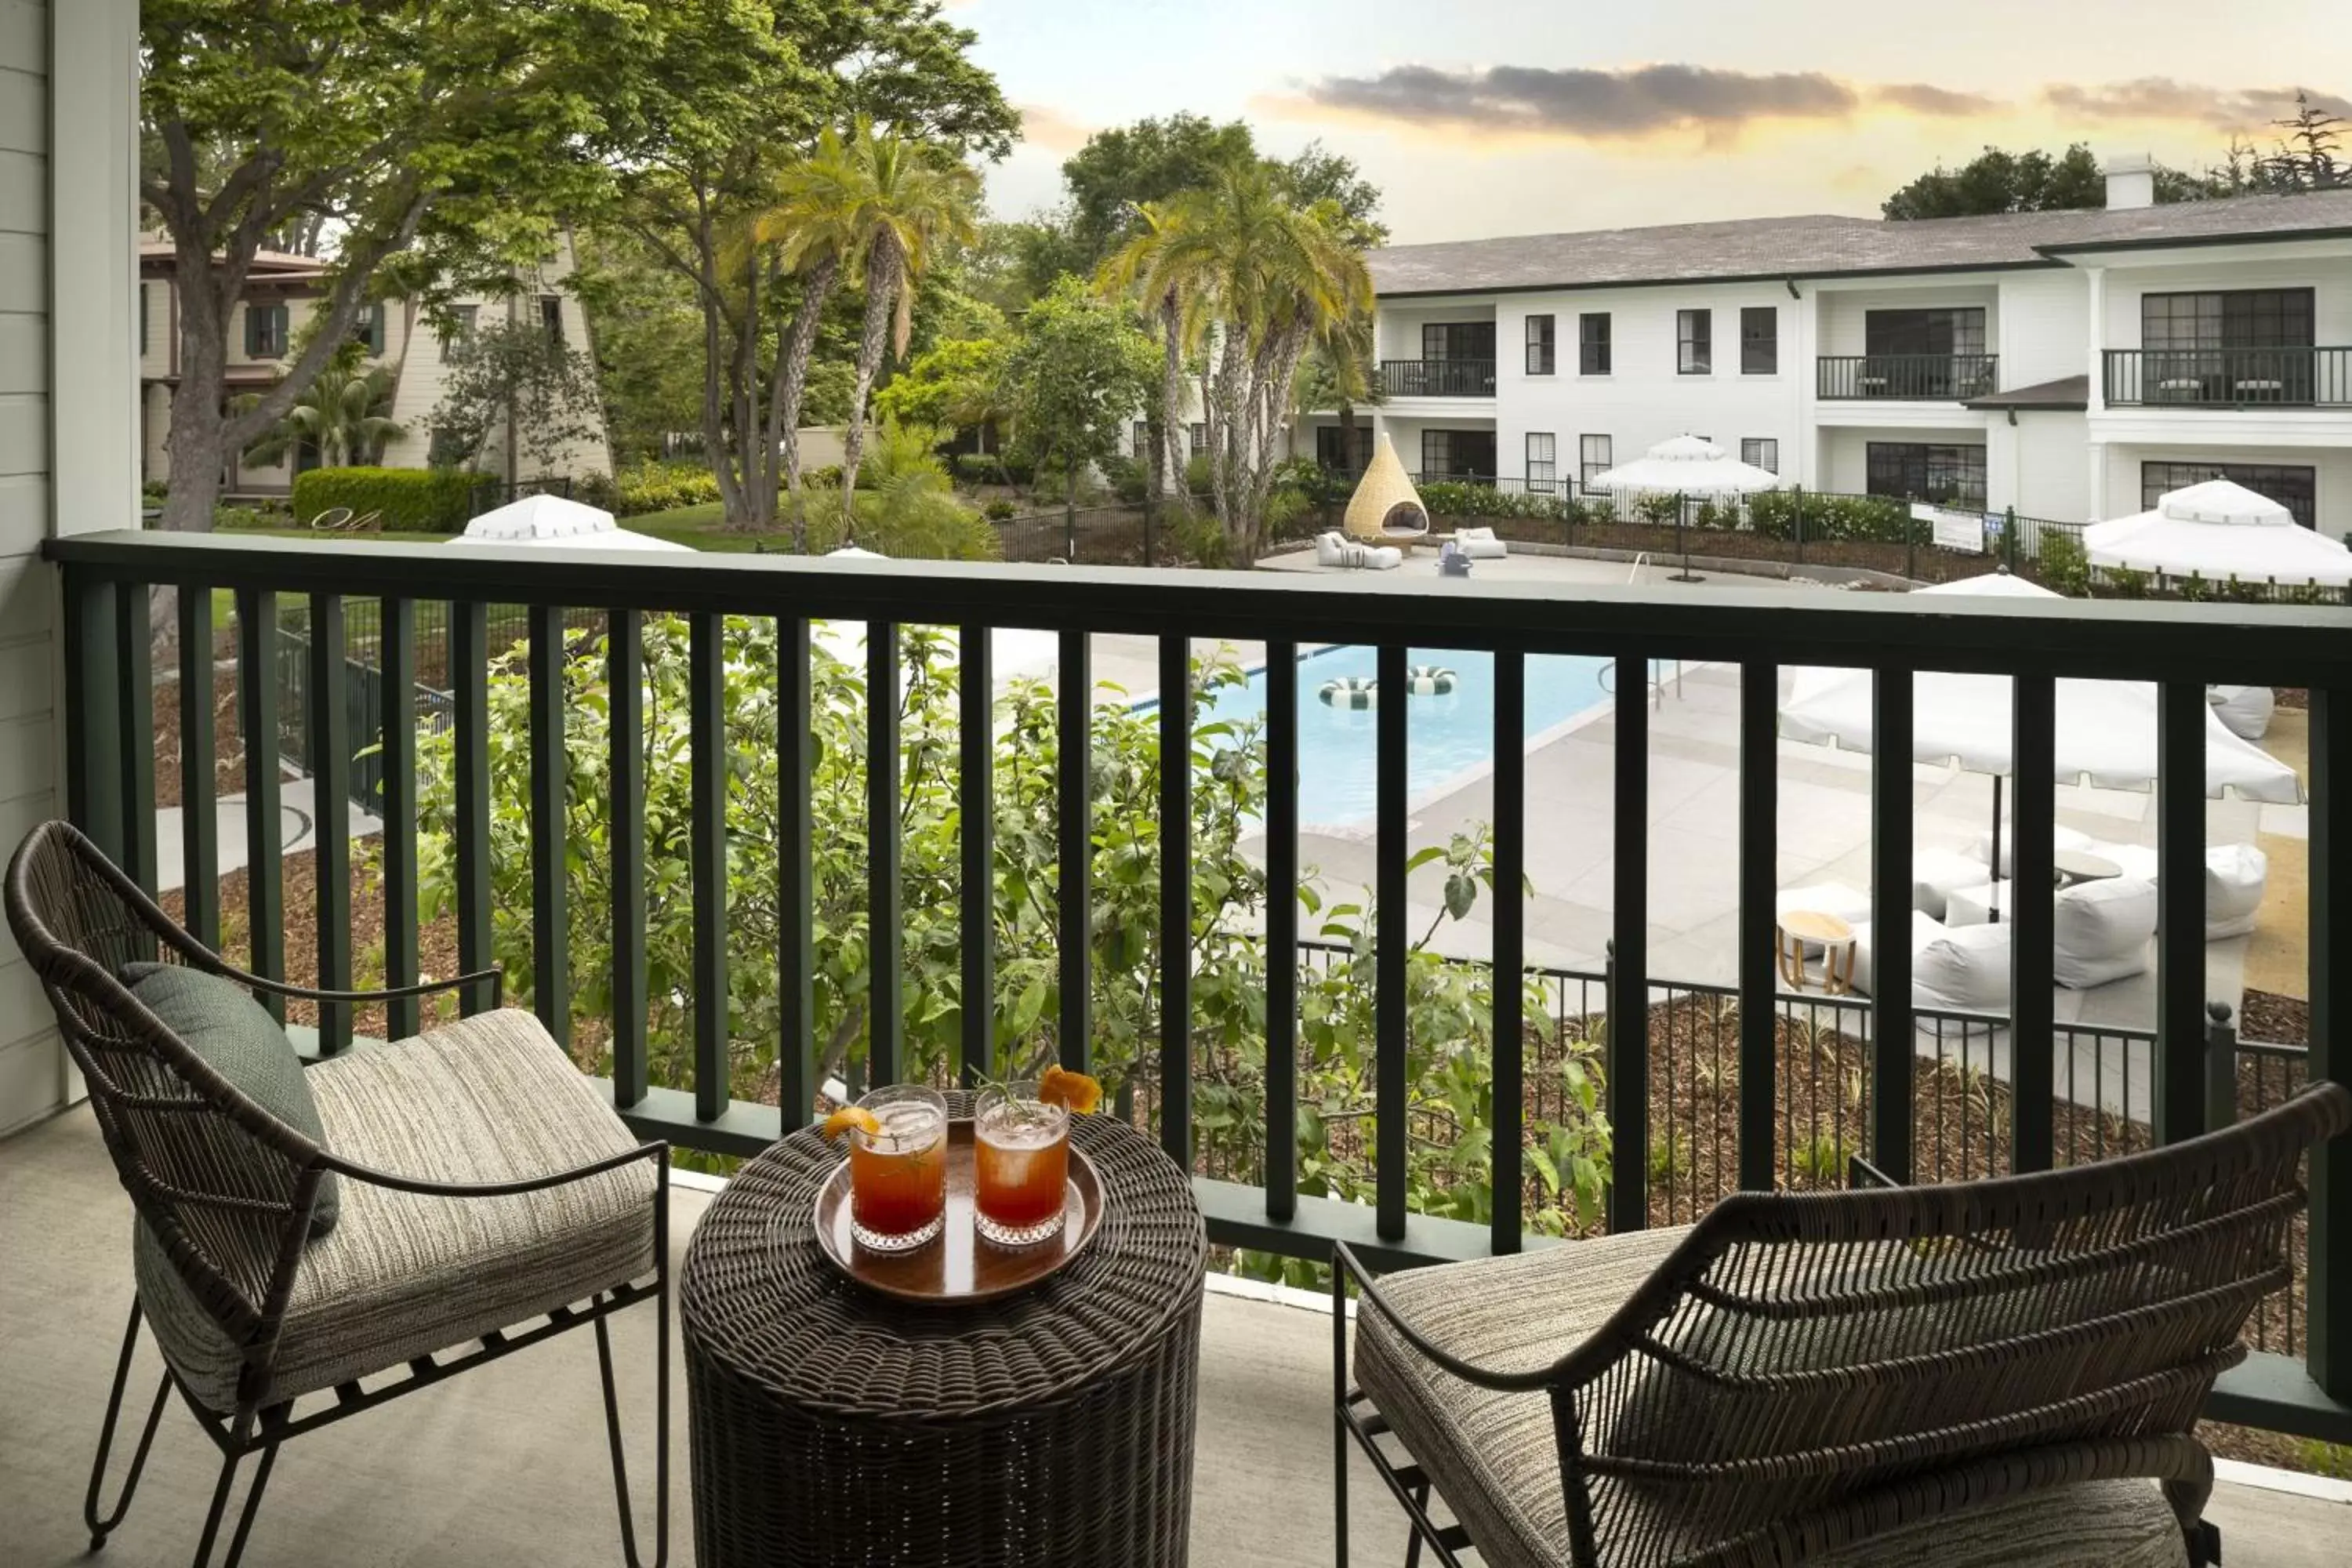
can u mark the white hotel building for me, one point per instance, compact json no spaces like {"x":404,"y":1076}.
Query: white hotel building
{"x":2070,"y":365}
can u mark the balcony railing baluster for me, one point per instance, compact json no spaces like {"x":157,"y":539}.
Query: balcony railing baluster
{"x":1391,"y":942}
{"x":1759,"y":799}
{"x":1510,"y":828}
{"x":327,"y":724}
{"x":1282,"y":931}
{"x":1894,"y":1057}
{"x":2182,"y":716}
{"x":708,"y":760}
{"x":1437,"y":377}
{"x":1628,"y":1065}
{"x":624,"y":721}
{"x":134,"y":633}
{"x":2329,"y":1316}
{"x":2282,"y":376}
{"x":1925,"y":378}
{"x":1075,"y":833}
{"x":976,"y":802}
{"x":550,"y":928}
{"x":199,"y":813}
{"x":469,"y":673}
{"x":1176,"y":898}
{"x":797,"y":1067}
{"x":257,"y":677}
{"x":2032,"y":845}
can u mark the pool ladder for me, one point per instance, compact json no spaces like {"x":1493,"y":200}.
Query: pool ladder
{"x":1659,"y":679}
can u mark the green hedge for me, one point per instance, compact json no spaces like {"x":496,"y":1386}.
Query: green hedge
{"x":648,"y":485}
{"x":410,"y":500}
{"x":1829,"y":518}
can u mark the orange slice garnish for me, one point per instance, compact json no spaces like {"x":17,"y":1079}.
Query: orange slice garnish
{"x":1074,"y":1090}
{"x":850,"y":1116}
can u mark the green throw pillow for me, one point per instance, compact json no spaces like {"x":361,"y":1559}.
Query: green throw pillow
{"x":222,"y":1023}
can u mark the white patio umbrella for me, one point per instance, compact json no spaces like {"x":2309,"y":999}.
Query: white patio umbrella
{"x":1684,"y":467}
{"x":557,"y":523}
{"x":2218,"y":531}
{"x":2106,"y":729}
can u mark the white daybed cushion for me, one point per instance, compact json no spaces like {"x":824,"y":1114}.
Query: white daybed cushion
{"x":2235,"y":878}
{"x":2061,"y":837}
{"x":2136,"y":860}
{"x":1480,"y":543}
{"x":2244,"y":710}
{"x":1330,"y":549}
{"x":1936,"y":872}
{"x":1962,"y":968}
{"x":2102,"y":930}
{"x":1383,"y":557}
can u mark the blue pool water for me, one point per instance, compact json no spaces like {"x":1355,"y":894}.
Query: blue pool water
{"x":1446,"y":736}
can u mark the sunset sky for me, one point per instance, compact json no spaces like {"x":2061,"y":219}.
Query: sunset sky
{"x":1485,"y":117}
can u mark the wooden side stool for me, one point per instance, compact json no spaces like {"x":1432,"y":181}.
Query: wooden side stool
{"x":1797,"y":928}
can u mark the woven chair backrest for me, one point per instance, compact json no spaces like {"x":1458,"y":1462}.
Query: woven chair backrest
{"x":1800,"y":1350}
{"x":214,"y":1175}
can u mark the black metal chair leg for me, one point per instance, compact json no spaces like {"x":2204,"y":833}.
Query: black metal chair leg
{"x":1413,"y":1530}
{"x":99,"y":1528}
{"x":252,"y":1501}
{"x":1340,"y":1409}
{"x":661,"y":1398}
{"x":232,"y":1454}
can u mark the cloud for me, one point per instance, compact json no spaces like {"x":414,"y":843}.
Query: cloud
{"x":2164,"y":98}
{"x":1921,"y":97}
{"x":1594,"y":105}
{"x":1049,"y":128}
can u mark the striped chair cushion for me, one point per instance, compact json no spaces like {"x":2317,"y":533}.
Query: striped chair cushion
{"x":491,"y":1098}
{"x":1494,"y":1460}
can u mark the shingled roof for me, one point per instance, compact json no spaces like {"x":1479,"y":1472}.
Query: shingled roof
{"x":1824,"y":245}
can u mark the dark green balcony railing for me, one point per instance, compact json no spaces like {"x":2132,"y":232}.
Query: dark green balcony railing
{"x":1925,"y":378}
{"x":1437,"y":377}
{"x":2230,"y":378}
{"x":2182,"y":646}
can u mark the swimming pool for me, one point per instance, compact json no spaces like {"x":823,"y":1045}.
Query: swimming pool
{"x":1446,"y":736}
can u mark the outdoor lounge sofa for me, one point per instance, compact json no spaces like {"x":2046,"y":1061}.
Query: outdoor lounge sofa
{"x":1957,"y":1376}
{"x":1338,"y":550}
{"x":396,"y":1215}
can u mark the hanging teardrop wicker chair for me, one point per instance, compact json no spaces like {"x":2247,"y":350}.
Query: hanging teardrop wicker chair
{"x":1386,"y":509}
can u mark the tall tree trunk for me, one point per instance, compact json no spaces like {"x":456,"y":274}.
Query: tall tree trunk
{"x":193,"y":449}
{"x":789,"y":386}
{"x":1070,"y":513}
{"x":1171,"y":396}
{"x":714,"y":418}
{"x":884,"y":271}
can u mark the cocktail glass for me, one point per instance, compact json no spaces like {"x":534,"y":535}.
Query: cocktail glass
{"x":899,"y":1175}
{"x":1020,"y":1166}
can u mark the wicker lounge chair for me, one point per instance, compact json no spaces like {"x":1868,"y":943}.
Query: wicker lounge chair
{"x":1969,"y":1373}
{"x":488,"y":1199}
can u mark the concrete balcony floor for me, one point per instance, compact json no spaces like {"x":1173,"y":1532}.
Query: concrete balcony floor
{"x":508,"y":1465}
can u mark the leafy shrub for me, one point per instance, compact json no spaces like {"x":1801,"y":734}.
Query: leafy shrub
{"x":227,"y":519}
{"x":1289,"y":514}
{"x":409,"y":500}
{"x":1458,"y":498}
{"x":1718,"y":515}
{"x":1659,"y":511}
{"x":2066,"y":566}
{"x":1834,"y":519}
{"x":1196,"y":474}
{"x":647,"y":485}
{"x":999,"y":511}
{"x":1449,"y":1064}
{"x":1198,"y":537}
{"x":978,"y":468}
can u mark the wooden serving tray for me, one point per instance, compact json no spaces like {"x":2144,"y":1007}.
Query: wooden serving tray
{"x":957,"y":1267}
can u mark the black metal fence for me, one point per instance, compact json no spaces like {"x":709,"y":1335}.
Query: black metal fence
{"x":1919,"y":377}
{"x":2229,"y":378}
{"x":1437,"y":377}
{"x":1724,"y":1053}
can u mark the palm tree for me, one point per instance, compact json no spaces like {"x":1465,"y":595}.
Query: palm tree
{"x":345,"y":416}
{"x":906,"y":198}
{"x":1171,"y":303}
{"x":814,"y":227}
{"x":1268,"y":274}
{"x":1338,"y":373}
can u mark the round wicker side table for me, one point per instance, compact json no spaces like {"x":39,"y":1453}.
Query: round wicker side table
{"x":831,"y":1426}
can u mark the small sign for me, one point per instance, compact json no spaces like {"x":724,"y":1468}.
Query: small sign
{"x":1952,"y":529}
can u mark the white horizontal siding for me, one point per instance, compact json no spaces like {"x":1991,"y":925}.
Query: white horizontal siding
{"x":28,"y":757}
{"x":24,"y":194}
{"x":24,"y":433}
{"x":24,"y":111}
{"x":24,"y":512}
{"x":24,"y":35}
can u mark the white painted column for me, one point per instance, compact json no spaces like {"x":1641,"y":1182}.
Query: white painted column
{"x":93,"y":220}
{"x":2096,"y":277}
{"x":1806,"y":373}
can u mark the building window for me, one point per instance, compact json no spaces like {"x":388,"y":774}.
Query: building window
{"x":1330,"y":450}
{"x":1592,"y":344}
{"x":1543,"y":462}
{"x":1142,"y":439}
{"x":460,"y":331}
{"x":1695,"y":342}
{"x":2228,"y":319}
{"x":551,"y":316}
{"x":265,"y":331}
{"x":1457,"y":455}
{"x":142,"y":320}
{"x":1458,"y":340}
{"x":1592,"y":459}
{"x":1760,"y":452}
{"x":1760,"y":340}
{"x":2293,"y":487}
{"x":1200,"y":437}
{"x":1914,"y":471}
{"x":368,"y":331}
{"x":1539,"y":345}
{"x":1942,"y":332}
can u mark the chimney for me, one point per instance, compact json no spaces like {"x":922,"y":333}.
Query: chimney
{"x":2131,"y":181}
